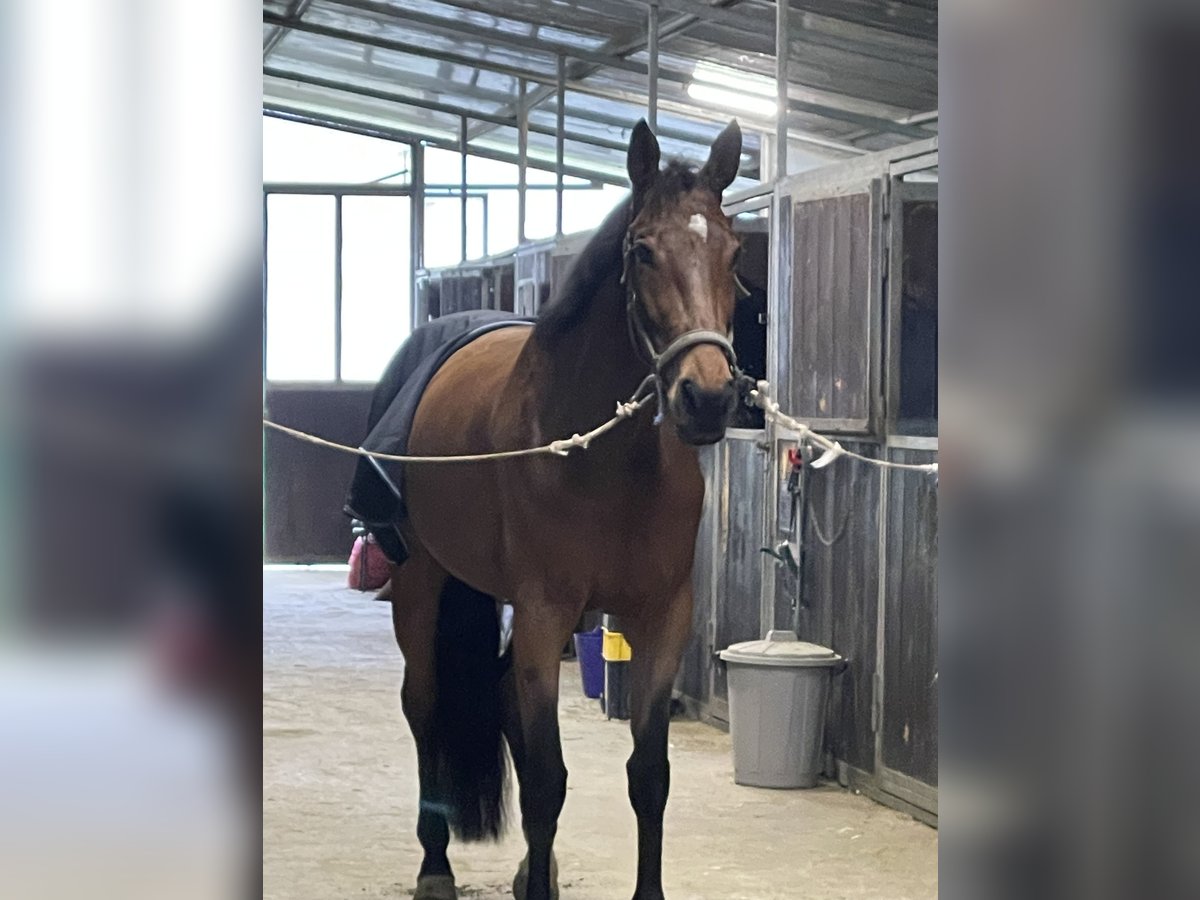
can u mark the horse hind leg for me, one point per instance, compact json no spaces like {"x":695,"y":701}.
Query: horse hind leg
{"x":449,"y":635}
{"x":415,"y":592}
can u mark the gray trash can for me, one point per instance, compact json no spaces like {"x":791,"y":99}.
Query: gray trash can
{"x":777,"y":693}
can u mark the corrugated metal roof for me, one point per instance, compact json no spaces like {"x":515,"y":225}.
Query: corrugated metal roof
{"x":859,"y":71}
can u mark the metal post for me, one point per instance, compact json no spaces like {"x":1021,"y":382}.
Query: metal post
{"x":462,"y":184}
{"x":781,"y":87}
{"x":652,"y":68}
{"x":266,"y":246}
{"x":417,"y":229}
{"x":558,"y":144}
{"x":484,"y":196}
{"x":337,"y":287}
{"x":522,"y":154}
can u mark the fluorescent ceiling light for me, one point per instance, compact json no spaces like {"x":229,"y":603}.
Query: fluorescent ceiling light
{"x":733,"y":100}
{"x":734,"y":80}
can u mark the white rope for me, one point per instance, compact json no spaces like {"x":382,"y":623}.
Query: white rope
{"x":562,"y":447}
{"x":555,"y":448}
{"x":761,"y":395}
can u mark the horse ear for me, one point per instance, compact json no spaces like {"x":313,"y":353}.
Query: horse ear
{"x":642,"y":162}
{"x":723,"y":159}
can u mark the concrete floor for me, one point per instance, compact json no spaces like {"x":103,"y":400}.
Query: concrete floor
{"x":340,"y":791}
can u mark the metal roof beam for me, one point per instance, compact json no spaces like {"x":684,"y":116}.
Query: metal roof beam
{"x":434,"y":106}
{"x":925,"y":118}
{"x":494,"y":36}
{"x":587,"y":115}
{"x":848,"y":36}
{"x":338,"y":123}
{"x":870,"y":43}
{"x":296,"y":10}
{"x":672,"y":27}
{"x":540,"y":129}
{"x":894,"y":15}
{"x":885,"y":126}
{"x":500,"y":97}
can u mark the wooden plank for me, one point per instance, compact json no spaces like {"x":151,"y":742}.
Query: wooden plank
{"x":857,"y":307}
{"x":842,"y":587}
{"x":829,"y":306}
{"x":305,"y":486}
{"x":696,"y":669}
{"x":831,"y":309}
{"x":910,"y":721}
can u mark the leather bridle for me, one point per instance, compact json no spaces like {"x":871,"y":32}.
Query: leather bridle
{"x":661,"y":360}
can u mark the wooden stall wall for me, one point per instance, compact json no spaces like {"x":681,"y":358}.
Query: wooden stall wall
{"x":839,"y":593}
{"x":695,"y":675}
{"x":486,"y":284}
{"x":908,"y":752}
{"x":739,"y":486}
{"x":304,"y":485}
{"x":728,"y":571}
{"x":855,"y":255}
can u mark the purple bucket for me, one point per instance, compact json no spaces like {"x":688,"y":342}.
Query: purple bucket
{"x":591,"y":661}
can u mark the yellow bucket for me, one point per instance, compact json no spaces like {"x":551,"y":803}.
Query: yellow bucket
{"x":616,"y":648}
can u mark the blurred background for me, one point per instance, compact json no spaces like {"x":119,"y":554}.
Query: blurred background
{"x":130,"y":462}
{"x":130,"y":452}
{"x":1070,"y":496}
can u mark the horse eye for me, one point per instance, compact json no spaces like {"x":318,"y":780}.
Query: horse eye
{"x":643,"y":254}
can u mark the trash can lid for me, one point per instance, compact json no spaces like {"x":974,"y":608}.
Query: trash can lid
{"x":780,"y":648}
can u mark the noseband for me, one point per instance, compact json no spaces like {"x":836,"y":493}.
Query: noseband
{"x":661,"y":360}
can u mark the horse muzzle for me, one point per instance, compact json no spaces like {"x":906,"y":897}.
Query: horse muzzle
{"x":701,"y":414}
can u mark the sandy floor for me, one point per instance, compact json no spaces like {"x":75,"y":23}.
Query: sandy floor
{"x":339,"y":788}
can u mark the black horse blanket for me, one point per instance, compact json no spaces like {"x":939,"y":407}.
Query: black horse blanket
{"x":376,"y":492}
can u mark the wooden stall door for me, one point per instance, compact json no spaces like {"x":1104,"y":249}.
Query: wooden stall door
{"x":828,"y":330}
{"x":728,"y":572}
{"x":838,"y":595}
{"x":907,"y":748}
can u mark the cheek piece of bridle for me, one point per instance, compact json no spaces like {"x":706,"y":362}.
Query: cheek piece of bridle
{"x":661,"y":360}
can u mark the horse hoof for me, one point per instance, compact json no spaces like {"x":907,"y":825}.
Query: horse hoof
{"x":521,"y":881}
{"x":435,"y":887}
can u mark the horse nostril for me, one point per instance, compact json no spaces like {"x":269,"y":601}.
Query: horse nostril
{"x":689,"y":393}
{"x":700,"y":403}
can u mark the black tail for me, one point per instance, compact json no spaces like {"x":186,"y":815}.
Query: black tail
{"x":471,"y":763}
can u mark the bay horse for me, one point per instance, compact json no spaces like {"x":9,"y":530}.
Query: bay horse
{"x":610,"y":528}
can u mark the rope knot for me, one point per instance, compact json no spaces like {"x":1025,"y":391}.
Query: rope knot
{"x":566,"y":445}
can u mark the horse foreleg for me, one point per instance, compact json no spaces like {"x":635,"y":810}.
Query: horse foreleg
{"x":658,"y":645}
{"x":415,"y":590}
{"x":539,"y":632}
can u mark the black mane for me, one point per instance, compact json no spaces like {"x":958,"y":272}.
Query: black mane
{"x":602,"y":255}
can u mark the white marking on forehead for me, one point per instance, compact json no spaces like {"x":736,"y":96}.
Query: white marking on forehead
{"x":699,"y":224}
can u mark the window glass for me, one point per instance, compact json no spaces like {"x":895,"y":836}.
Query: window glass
{"x":376,"y":283}
{"x":585,"y":210}
{"x":443,"y":231}
{"x":477,"y":245}
{"x":918,"y":412}
{"x":300,"y":153}
{"x":443,"y":166}
{"x":502,"y":221}
{"x":300,"y":287}
{"x":540,"y":212}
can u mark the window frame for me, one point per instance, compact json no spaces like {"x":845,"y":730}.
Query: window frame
{"x":338,"y":192}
